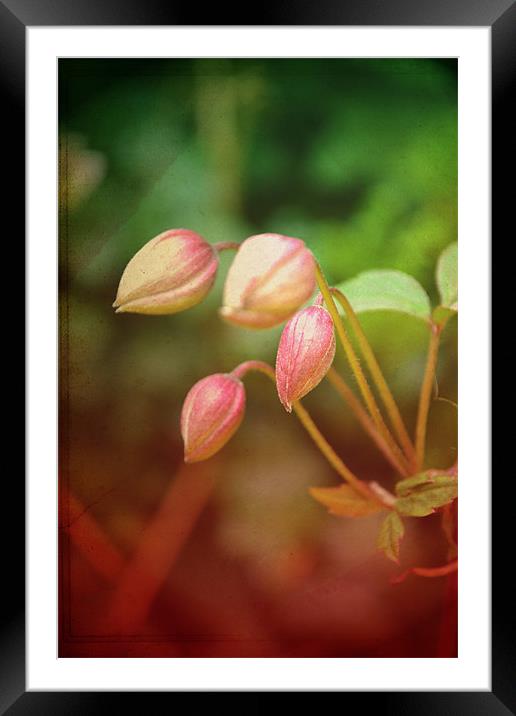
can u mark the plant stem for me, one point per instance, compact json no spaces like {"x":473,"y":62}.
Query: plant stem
{"x":449,"y":568}
{"x":259,"y":366}
{"x":378,"y":377}
{"x":436,"y":571}
{"x":426,"y":391}
{"x":226,"y":246}
{"x":365,"y":421}
{"x":385,"y":496}
{"x":355,"y":366}
{"x":158,"y":548}
{"x":314,"y":432}
{"x":330,"y":454}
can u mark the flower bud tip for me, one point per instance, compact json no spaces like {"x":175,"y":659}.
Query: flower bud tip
{"x":171,"y":273}
{"x":305,"y":354}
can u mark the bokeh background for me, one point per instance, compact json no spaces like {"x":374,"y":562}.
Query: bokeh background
{"x":232,"y":557}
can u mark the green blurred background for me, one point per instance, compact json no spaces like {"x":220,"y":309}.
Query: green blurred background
{"x":359,"y":159}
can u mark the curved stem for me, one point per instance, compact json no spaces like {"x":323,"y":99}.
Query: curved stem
{"x":428,"y":571}
{"x":436,"y":571}
{"x":226,"y":246}
{"x":426,"y":391}
{"x":259,"y":366}
{"x":314,"y":432}
{"x":330,"y":453}
{"x":378,"y":377}
{"x":355,"y":366}
{"x":363,"y":418}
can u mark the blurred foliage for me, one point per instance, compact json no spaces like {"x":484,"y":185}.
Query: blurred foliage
{"x":358,"y":158}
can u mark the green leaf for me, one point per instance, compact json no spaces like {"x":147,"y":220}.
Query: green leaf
{"x":386,"y":290}
{"x":391,"y":532}
{"x":428,"y":477}
{"x":405,"y":487}
{"x":421,"y":494}
{"x":344,"y":501}
{"x":447,"y":276}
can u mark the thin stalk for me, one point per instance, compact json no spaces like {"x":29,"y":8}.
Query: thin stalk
{"x":258,"y":366}
{"x":363,"y":418}
{"x":378,"y":377}
{"x":354,"y":363}
{"x":430,"y":572}
{"x":227,"y":246}
{"x":426,"y":392}
{"x":386,"y":497}
{"x":330,"y":454}
{"x":314,"y":432}
{"x":436,"y":571}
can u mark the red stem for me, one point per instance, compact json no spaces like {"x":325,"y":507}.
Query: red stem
{"x":427,"y":572}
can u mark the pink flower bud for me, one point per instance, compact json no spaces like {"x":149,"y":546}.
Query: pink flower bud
{"x":172,"y":272}
{"x":212,"y":413}
{"x":269,"y":279}
{"x":305,"y":354}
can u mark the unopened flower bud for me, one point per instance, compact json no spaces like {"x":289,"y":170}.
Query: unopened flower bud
{"x":212,"y":413}
{"x":269,"y":279}
{"x":172,"y":272}
{"x":305,"y":354}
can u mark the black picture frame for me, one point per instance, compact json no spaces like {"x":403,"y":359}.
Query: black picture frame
{"x":500,"y":15}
